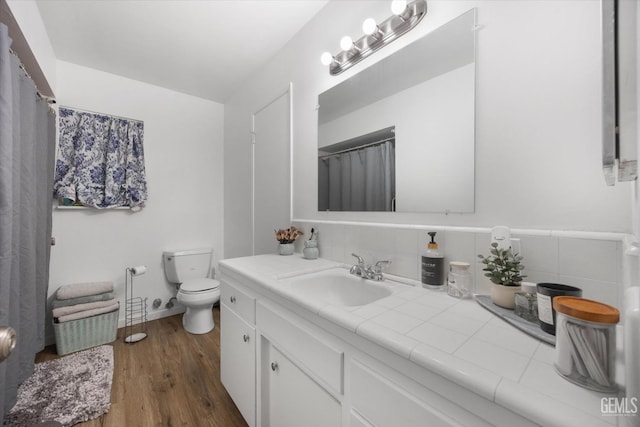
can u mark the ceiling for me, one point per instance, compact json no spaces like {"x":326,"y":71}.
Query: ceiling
{"x":205,"y":48}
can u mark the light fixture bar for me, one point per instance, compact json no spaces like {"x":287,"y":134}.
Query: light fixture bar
{"x":389,"y":30}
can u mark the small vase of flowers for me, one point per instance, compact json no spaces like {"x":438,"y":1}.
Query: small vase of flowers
{"x":286,"y":238}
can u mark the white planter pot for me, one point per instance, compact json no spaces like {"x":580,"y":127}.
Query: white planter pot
{"x":285,"y":248}
{"x":504,"y":296}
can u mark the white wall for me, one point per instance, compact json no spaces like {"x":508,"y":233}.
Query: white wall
{"x":538,"y":126}
{"x":183,"y":158}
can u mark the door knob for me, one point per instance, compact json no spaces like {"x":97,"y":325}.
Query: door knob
{"x":274,"y":366}
{"x":245,"y":338}
{"x":7,"y":341}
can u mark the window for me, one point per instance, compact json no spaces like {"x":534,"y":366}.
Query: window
{"x":100,"y":161}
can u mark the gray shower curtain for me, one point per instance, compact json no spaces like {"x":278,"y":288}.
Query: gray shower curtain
{"x":27,"y":148}
{"x":358,"y":180}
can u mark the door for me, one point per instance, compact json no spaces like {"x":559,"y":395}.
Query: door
{"x":271,"y":135}
{"x":237,"y":359}
{"x":293,"y":399}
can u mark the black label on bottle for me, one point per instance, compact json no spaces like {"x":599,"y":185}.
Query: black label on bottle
{"x":432,"y":271}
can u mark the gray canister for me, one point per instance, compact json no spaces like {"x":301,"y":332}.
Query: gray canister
{"x":310,"y":250}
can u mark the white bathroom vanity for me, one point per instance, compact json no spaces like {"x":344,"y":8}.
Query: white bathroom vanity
{"x":294,"y":356}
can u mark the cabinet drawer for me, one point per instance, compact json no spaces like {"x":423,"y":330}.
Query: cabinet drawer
{"x":240,"y":302}
{"x":309,"y":349}
{"x":294,"y":399}
{"x":386,"y":404}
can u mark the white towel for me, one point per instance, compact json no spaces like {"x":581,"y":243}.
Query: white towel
{"x":56,"y":303}
{"x":83,"y":289}
{"x":64,"y":311}
{"x":88,"y":313}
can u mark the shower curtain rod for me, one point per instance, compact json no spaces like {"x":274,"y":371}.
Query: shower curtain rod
{"x":359,"y":147}
{"x":101,"y":114}
{"x":48,"y":99}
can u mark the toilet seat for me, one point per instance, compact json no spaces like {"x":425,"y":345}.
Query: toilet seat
{"x":200,"y":285}
{"x":198,"y":299}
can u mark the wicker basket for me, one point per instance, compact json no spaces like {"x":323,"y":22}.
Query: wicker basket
{"x":85,"y":333}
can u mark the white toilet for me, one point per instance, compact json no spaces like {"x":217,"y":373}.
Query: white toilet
{"x":197,"y":292}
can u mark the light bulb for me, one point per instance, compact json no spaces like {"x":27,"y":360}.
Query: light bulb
{"x":326,"y":58}
{"x":398,"y":6}
{"x":369,"y":26}
{"x":346,"y":43}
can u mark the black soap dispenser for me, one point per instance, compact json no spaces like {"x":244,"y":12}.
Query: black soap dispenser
{"x":432,"y":265}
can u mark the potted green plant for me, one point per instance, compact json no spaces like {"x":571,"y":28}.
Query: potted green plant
{"x":504,"y":269}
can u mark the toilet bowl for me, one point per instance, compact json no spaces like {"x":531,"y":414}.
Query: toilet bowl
{"x":190,"y":270}
{"x":198,"y":296}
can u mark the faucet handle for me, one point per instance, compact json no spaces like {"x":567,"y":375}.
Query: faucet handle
{"x":380,"y":265}
{"x":360,"y":260}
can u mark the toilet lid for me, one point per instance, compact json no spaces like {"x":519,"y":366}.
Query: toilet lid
{"x":199,"y":285}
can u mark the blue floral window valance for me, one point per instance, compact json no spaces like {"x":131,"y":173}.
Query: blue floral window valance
{"x":100,"y":160}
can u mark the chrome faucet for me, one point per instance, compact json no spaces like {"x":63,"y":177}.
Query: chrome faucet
{"x":367,"y":272}
{"x":377,"y":270}
{"x":359,"y":268}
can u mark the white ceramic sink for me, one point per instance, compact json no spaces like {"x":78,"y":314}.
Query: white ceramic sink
{"x":336,"y":286}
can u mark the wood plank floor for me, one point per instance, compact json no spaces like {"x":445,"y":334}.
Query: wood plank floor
{"x":171,"y":378}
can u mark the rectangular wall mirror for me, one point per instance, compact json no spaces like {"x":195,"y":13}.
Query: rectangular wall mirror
{"x":400,"y":135}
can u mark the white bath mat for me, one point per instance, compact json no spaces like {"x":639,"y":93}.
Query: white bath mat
{"x":69,"y":390}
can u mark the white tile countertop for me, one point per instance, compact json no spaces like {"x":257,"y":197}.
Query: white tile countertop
{"x":455,"y":338}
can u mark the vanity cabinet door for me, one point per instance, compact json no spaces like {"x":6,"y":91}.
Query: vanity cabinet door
{"x":238,"y":362}
{"x":293,"y":399}
{"x":387,"y":404}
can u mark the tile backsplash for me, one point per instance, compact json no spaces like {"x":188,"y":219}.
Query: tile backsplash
{"x":593,"y":264}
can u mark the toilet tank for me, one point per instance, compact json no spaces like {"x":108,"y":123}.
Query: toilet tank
{"x":180,"y":266}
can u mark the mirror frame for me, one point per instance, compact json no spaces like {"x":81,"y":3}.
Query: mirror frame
{"x":619,"y":91}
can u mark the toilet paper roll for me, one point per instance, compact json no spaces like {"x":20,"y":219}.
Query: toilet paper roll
{"x":138,"y":270}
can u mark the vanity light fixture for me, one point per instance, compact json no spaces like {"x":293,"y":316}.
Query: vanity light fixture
{"x":398,"y":7}
{"x":370,"y":28}
{"x":326,"y":58}
{"x":405,"y":17}
{"x":346,"y":44}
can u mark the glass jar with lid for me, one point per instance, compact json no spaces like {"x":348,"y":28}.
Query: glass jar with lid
{"x":526,"y":302}
{"x":459,"y":279}
{"x":585,"y":351}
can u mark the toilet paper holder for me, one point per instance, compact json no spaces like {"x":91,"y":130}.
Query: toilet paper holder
{"x":135,"y":317}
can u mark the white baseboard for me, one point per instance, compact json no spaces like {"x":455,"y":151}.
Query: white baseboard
{"x":157,"y":314}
